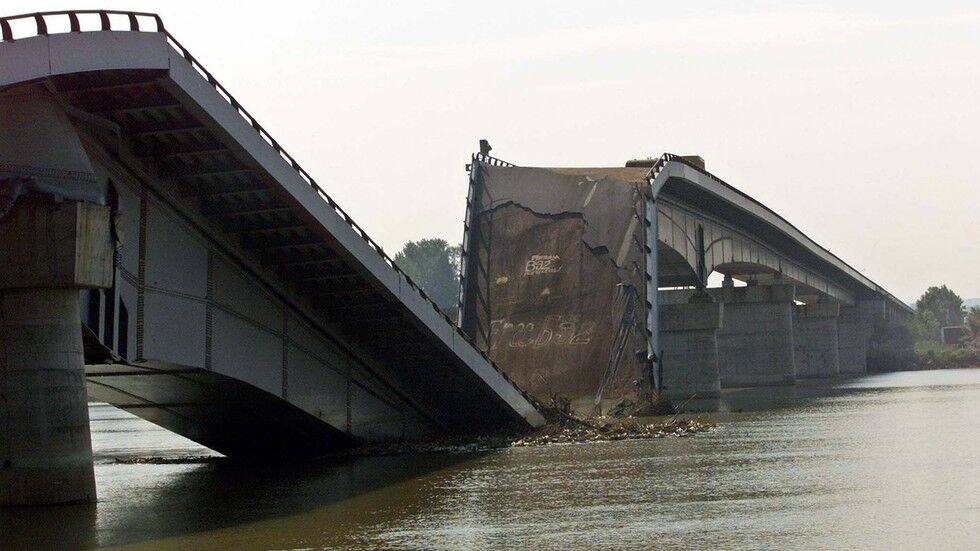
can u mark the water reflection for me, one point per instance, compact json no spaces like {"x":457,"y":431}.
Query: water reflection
{"x":885,"y":461}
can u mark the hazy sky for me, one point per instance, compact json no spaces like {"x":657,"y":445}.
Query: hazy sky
{"x":860,"y":125}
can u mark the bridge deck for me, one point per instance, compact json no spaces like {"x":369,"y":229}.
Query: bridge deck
{"x":153,"y":108}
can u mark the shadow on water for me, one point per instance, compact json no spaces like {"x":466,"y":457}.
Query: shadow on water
{"x":734,"y":400}
{"x":64,"y":527}
{"x":178,"y":500}
{"x":804,"y":391}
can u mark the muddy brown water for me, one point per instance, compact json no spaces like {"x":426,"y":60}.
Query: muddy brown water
{"x":881,"y":462}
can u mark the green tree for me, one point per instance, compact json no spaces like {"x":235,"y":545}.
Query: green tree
{"x":973,"y":321}
{"x":434,"y":265}
{"x":924,"y":326}
{"x":945,"y":305}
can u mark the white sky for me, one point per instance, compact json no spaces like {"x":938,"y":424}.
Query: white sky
{"x":860,"y":125}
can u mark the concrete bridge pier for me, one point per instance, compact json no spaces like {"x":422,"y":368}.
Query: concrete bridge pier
{"x":688,"y":336}
{"x":755,"y":341}
{"x":48,"y":251}
{"x":815,"y":340}
{"x":856,"y":326}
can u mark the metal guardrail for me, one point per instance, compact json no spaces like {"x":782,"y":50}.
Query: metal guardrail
{"x":464,"y":252}
{"x":74,"y":22}
{"x":132,"y":24}
{"x":492,"y":161}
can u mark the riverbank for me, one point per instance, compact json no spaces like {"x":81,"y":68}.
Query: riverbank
{"x":933,"y":355}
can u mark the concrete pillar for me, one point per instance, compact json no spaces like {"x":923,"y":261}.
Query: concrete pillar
{"x":755,"y":341}
{"x":816,"y":346}
{"x":855,"y":326}
{"x":688,"y":336}
{"x":48,"y":251}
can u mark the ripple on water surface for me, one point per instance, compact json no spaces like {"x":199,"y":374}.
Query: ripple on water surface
{"x":881,"y":462}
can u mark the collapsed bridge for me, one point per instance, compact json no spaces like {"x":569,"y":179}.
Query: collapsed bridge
{"x":224,"y":294}
{"x":592,"y":284}
{"x":159,"y":247}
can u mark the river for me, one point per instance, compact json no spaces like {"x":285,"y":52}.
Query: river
{"x":887,"y":461}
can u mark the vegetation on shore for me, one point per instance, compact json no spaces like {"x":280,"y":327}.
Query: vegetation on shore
{"x":940,"y":307}
{"x":935,"y":355}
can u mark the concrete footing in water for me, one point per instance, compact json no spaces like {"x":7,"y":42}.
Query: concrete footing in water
{"x":48,"y":251}
{"x":688,"y":336}
{"x":815,"y":340}
{"x":855,"y":326}
{"x":755,"y":341}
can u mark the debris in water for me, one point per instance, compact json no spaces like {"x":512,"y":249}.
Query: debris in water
{"x":563,"y":429}
{"x":628,"y":429}
{"x":567,"y":430}
{"x":168,"y":460}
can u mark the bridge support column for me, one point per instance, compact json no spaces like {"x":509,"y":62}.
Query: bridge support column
{"x":688,"y":336}
{"x":815,"y":340}
{"x":855,"y":327}
{"x":755,"y":341}
{"x":48,"y":251}
{"x":891,"y":345}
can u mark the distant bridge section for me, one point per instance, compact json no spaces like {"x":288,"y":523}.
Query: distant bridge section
{"x":569,"y":272}
{"x":742,"y":238}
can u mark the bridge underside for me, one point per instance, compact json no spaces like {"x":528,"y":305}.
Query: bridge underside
{"x":217,"y":411}
{"x":191,"y":168}
{"x":194,"y":164}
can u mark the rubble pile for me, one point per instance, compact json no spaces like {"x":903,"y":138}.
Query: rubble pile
{"x":566,"y":430}
{"x":628,"y":429}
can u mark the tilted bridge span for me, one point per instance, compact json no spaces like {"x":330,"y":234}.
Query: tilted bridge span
{"x":225,"y":295}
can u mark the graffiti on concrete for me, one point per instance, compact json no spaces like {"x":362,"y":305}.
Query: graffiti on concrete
{"x":558,"y":330}
{"x":542,"y":264}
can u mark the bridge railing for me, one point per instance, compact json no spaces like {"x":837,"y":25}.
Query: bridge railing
{"x":492,"y":161}
{"x":45,"y":23}
{"x":464,"y":252}
{"x":74,"y":21}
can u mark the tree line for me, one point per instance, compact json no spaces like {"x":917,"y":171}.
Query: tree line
{"x":434,"y":265}
{"x":940,"y":307}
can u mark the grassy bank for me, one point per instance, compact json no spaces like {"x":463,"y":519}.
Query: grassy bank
{"x":935,"y":355}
